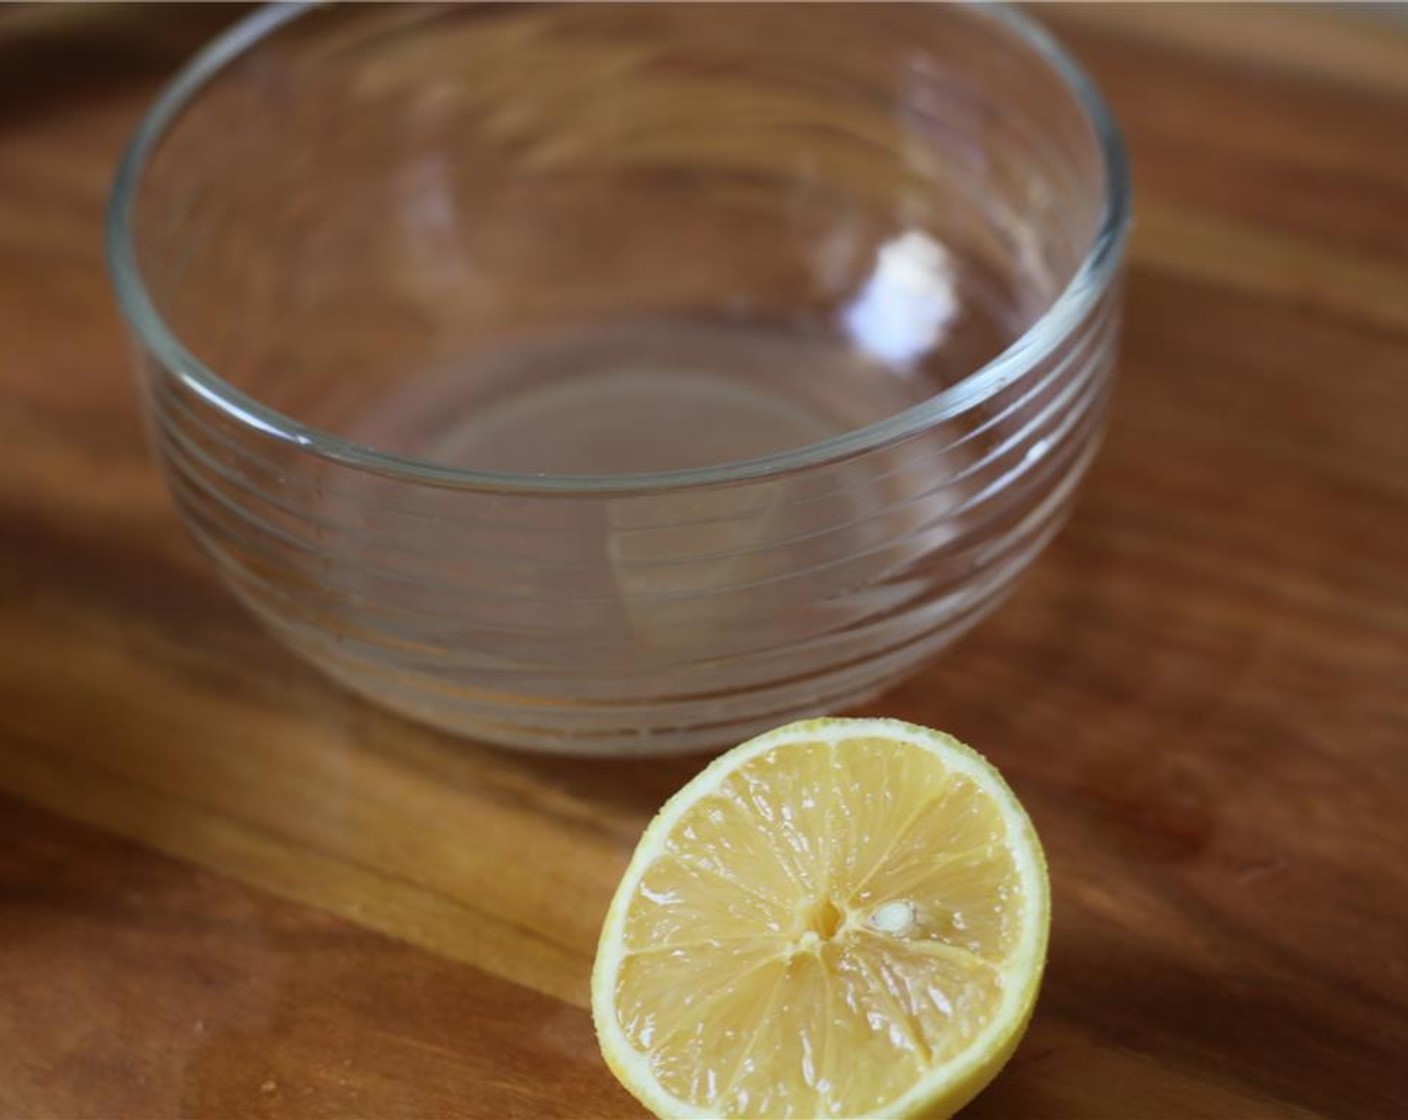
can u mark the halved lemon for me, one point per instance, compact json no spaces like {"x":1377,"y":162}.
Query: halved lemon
{"x":838,"y":918}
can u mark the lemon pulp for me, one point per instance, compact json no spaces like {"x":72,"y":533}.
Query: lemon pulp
{"x":841,"y":917}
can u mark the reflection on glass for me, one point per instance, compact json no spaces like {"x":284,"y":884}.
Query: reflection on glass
{"x":908,"y":304}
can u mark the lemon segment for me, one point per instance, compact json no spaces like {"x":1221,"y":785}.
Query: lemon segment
{"x":837,"y":918}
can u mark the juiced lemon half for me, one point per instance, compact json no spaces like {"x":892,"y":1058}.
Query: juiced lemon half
{"x":837,"y":918}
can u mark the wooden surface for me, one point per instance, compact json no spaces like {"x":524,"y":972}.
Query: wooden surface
{"x":227,"y":890}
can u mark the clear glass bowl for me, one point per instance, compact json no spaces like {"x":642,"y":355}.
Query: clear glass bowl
{"x":623,"y":379}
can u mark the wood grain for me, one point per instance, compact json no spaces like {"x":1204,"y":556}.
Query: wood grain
{"x":226,"y":889}
{"x":218,"y":1000}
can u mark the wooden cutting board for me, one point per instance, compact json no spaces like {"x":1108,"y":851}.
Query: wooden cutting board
{"x":228,"y":890}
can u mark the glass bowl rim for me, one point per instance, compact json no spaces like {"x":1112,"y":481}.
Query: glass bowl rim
{"x":1089,"y":282}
